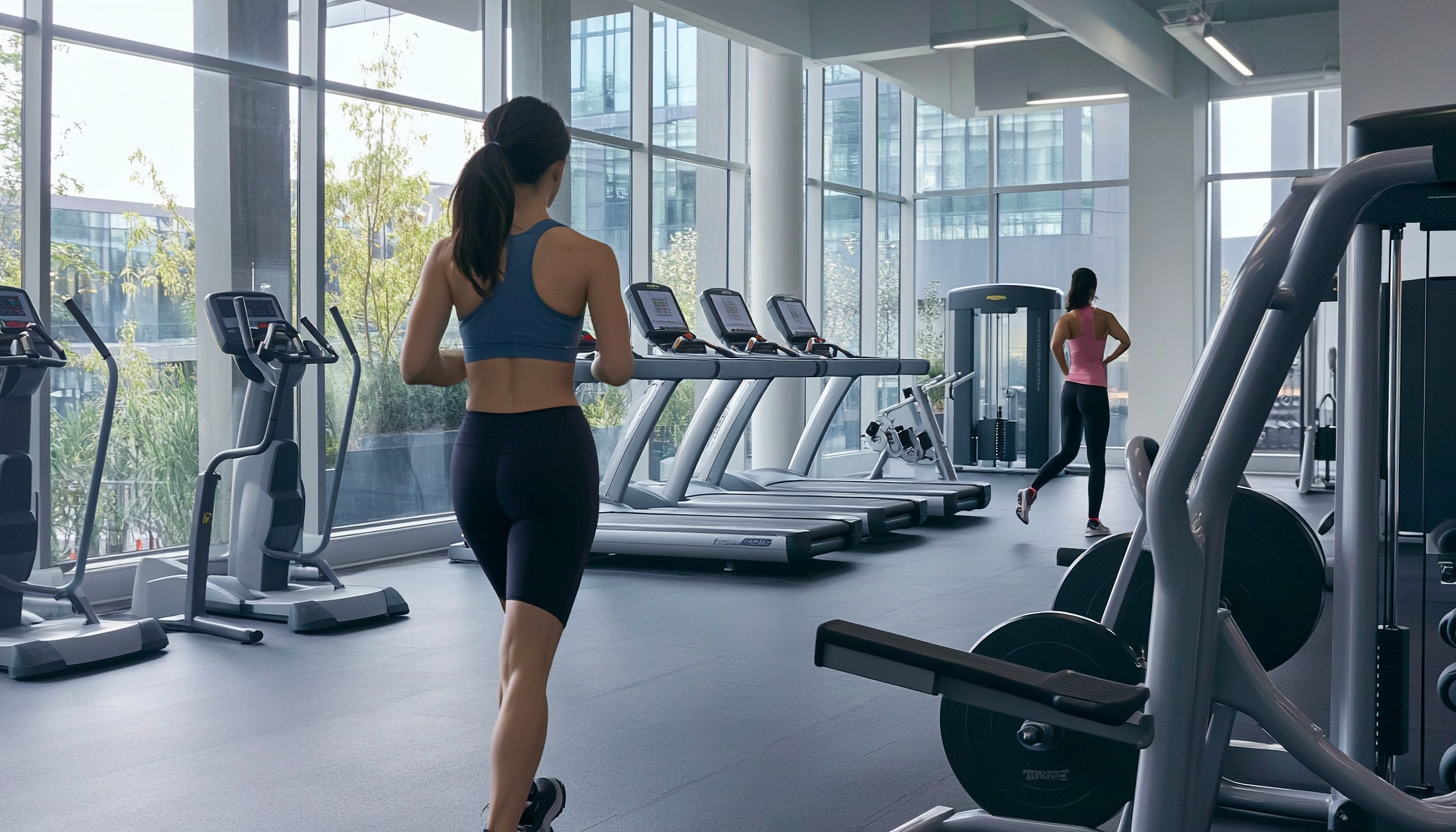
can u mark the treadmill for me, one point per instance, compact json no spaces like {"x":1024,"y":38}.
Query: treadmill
{"x":660,"y":318}
{"x":728,"y":316}
{"x":676,"y":532}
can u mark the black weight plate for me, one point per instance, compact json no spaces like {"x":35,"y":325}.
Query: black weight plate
{"x":1081,"y":780}
{"x":1443,"y":686}
{"x":1088,"y":583}
{"x":1273,"y":581}
{"x":1448,"y":628}
{"x":1447,"y":769}
{"x":1273,"y":575}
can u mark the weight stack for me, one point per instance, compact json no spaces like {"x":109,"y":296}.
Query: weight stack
{"x":1392,"y":690}
{"x":996,"y":440}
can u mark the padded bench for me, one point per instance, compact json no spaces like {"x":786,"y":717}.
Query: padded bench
{"x":1074,"y":694}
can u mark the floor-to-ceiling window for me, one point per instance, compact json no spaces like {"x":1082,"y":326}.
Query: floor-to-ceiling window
{"x":1021,"y":198}
{"x":853,"y":221}
{"x":1257,"y":147}
{"x":658,"y":173}
{"x":181,"y":164}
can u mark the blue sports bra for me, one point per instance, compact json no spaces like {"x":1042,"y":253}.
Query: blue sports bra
{"x":512,"y":321}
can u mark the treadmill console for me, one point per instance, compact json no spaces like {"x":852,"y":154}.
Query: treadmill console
{"x":262,"y":308}
{"x":728,"y":316}
{"x":660,"y":318}
{"x":16,"y":310}
{"x":791,"y":316}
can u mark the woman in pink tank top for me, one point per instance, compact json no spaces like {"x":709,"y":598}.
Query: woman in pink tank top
{"x":1083,"y":332}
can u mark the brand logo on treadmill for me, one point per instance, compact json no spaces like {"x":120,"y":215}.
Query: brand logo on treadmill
{"x":995,"y":297}
{"x":746,"y":541}
{"x":1060,"y":775}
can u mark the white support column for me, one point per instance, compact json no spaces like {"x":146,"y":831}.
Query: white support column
{"x":907,"y":229}
{"x":35,"y":256}
{"x":641,"y":161}
{"x":541,"y":66}
{"x":495,"y":68}
{"x":1168,"y":152}
{"x":776,"y":154}
{"x":311,"y":269}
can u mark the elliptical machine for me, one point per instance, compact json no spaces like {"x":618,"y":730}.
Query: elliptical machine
{"x":266,"y":536}
{"x":29,"y":645}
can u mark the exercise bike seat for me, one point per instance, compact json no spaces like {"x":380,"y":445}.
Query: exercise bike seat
{"x":1074,"y":694}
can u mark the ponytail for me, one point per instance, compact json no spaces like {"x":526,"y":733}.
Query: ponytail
{"x":1083,"y":290}
{"x":524,"y":137}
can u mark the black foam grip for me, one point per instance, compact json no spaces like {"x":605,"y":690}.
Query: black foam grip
{"x":343,"y":330}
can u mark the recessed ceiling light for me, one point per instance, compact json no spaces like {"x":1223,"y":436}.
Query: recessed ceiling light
{"x":971,"y":38}
{"x":1077,"y":99}
{"x":1224,"y":52}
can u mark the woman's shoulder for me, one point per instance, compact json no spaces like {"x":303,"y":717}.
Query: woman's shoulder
{"x":565,"y":241}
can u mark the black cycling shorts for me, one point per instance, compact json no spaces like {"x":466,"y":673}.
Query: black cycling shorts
{"x":524,"y":486}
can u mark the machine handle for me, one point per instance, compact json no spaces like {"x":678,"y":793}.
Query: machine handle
{"x":85,"y":324}
{"x":317,"y":336}
{"x":27,"y":361}
{"x":245,"y":327}
{"x":46,"y":339}
{"x":343,"y":330}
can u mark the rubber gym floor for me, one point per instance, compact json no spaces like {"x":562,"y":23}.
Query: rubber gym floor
{"x":684,"y":697}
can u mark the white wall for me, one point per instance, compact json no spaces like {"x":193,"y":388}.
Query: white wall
{"x":1396,"y":54}
{"x":1169,"y":152}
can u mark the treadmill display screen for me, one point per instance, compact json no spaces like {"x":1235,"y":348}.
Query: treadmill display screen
{"x":13,"y":309}
{"x":261,"y":312}
{"x":796,"y":318}
{"x":733,"y":313}
{"x":662,"y":310}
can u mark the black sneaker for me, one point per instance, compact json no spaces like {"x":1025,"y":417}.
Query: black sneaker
{"x":548,"y":799}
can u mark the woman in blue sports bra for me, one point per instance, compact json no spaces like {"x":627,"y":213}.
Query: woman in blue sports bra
{"x":523,"y":475}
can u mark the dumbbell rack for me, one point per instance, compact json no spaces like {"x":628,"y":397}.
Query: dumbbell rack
{"x":1427,"y":593}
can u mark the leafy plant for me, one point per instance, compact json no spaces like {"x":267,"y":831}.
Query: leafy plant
{"x":385,"y":218}
{"x":930,"y":335}
{"x":677,"y":267}
{"x":605,"y":406}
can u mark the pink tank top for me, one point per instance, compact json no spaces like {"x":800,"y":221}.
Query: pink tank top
{"x":1087,"y":353}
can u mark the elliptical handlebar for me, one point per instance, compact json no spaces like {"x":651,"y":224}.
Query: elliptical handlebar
{"x":103,"y":439}
{"x":343,"y":331}
{"x":327,"y":521}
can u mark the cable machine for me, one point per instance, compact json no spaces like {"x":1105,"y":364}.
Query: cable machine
{"x":1008,"y":414}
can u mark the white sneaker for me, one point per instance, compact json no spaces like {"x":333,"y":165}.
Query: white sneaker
{"x":1096,"y":529}
{"x":1024,"y":498}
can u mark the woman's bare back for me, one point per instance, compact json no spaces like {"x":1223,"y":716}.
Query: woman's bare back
{"x":562,"y":269}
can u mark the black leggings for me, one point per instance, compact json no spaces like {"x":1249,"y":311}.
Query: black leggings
{"x":1082,"y":404}
{"x":524,"y":486}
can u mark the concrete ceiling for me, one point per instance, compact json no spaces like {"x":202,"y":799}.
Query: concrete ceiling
{"x":1242,"y":10}
{"x":1073,"y":45}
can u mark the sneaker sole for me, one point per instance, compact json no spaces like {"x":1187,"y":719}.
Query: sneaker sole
{"x":556,"y":808}
{"x":1021,"y":510}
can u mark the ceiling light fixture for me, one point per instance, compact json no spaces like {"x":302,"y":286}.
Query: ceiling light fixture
{"x":971,"y":38}
{"x":1224,"y":52}
{"x":1073,"y":98}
